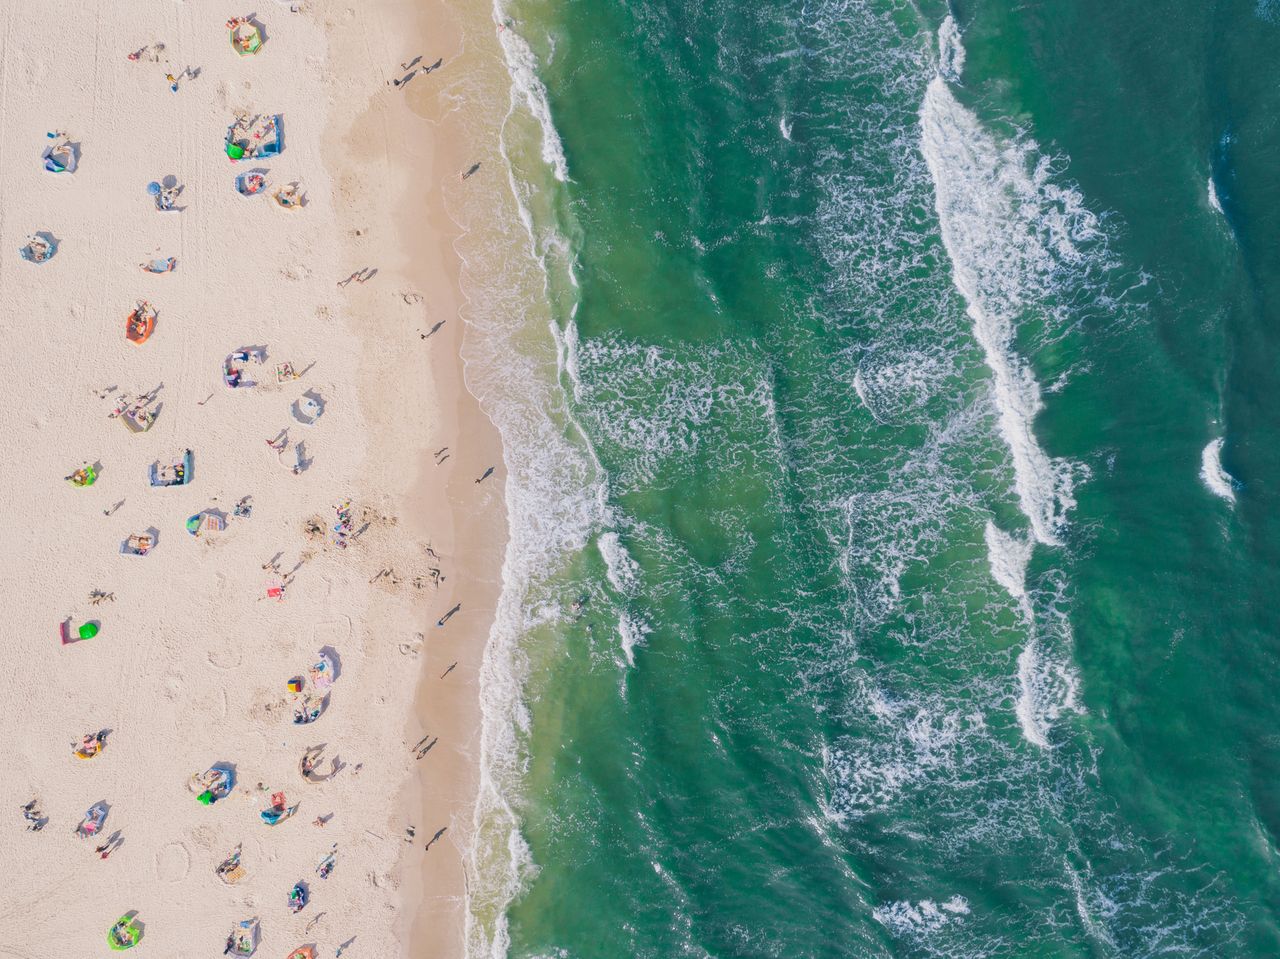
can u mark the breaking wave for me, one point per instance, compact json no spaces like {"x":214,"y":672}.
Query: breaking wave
{"x":1216,"y":479}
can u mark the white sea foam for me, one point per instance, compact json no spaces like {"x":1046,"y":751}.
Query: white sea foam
{"x":623,"y":574}
{"x":523,"y":67}
{"x":906,"y":918}
{"x":554,"y":492}
{"x":1008,"y":556}
{"x":1018,"y":243}
{"x":860,"y":388}
{"x":1048,"y":686}
{"x":784,"y":127}
{"x":1008,"y":230}
{"x":1216,"y":479}
{"x":1034,"y":728}
{"x":632,"y":633}
{"x":620,"y":568}
{"x":950,"y":50}
{"x":891,"y":387}
{"x":1093,"y":926}
{"x":912,"y":743}
{"x":1213,"y":195}
{"x":1047,"y":683}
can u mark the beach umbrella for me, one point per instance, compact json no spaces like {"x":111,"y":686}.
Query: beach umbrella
{"x":235,"y":150}
{"x":153,"y":188}
{"x":246,"y":39}
{"x":88,"y":630}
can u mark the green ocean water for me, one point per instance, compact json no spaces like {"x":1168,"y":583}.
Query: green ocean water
{"x":895,"y":538}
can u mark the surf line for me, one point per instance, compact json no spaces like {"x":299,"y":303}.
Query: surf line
{"x":998,"y":244}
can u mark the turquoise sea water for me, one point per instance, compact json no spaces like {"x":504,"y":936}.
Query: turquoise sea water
{"x":901,"y":418}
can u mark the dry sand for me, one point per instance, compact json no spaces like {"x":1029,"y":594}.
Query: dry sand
{"x":190,"y":666}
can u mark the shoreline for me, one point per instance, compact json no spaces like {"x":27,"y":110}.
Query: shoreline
{"x":443,"y":508}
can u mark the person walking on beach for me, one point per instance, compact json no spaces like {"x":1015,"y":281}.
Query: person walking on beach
{"x":447,"y":616}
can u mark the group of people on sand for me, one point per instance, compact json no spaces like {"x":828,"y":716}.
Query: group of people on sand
{"x":127,"y":932}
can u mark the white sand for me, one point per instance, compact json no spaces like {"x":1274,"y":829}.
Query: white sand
{"x":190,"y":666}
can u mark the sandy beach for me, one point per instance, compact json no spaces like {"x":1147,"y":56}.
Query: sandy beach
{"x":197,"y":640}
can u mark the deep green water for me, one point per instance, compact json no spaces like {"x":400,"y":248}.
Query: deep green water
{"x":911,"y":623}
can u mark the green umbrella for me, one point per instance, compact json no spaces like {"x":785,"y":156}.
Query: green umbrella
{"x":88,"y":630}
{"x":235,"y":150}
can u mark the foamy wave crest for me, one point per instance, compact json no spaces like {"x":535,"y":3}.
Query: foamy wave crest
{"x":623,"y":574}
{"x":950,"y":50}
{"x":621,"y":570}
{"x":1014,"y":239}
{"x":1214,"y":201}
{"x":1216,"y":479}
{"x":1044,"y":689}
{"x":632,"y":633}
{"x":1093,"y":914}
{"x":1048,"y":684}
{"x":523,"y":67}
{"x":1009,"y":556}
{"x":906,"y":918}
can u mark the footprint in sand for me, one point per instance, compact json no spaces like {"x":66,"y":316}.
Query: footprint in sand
{"x":173,"y":862}
{"x":173,"y":686}
{"x":224,"y":658}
